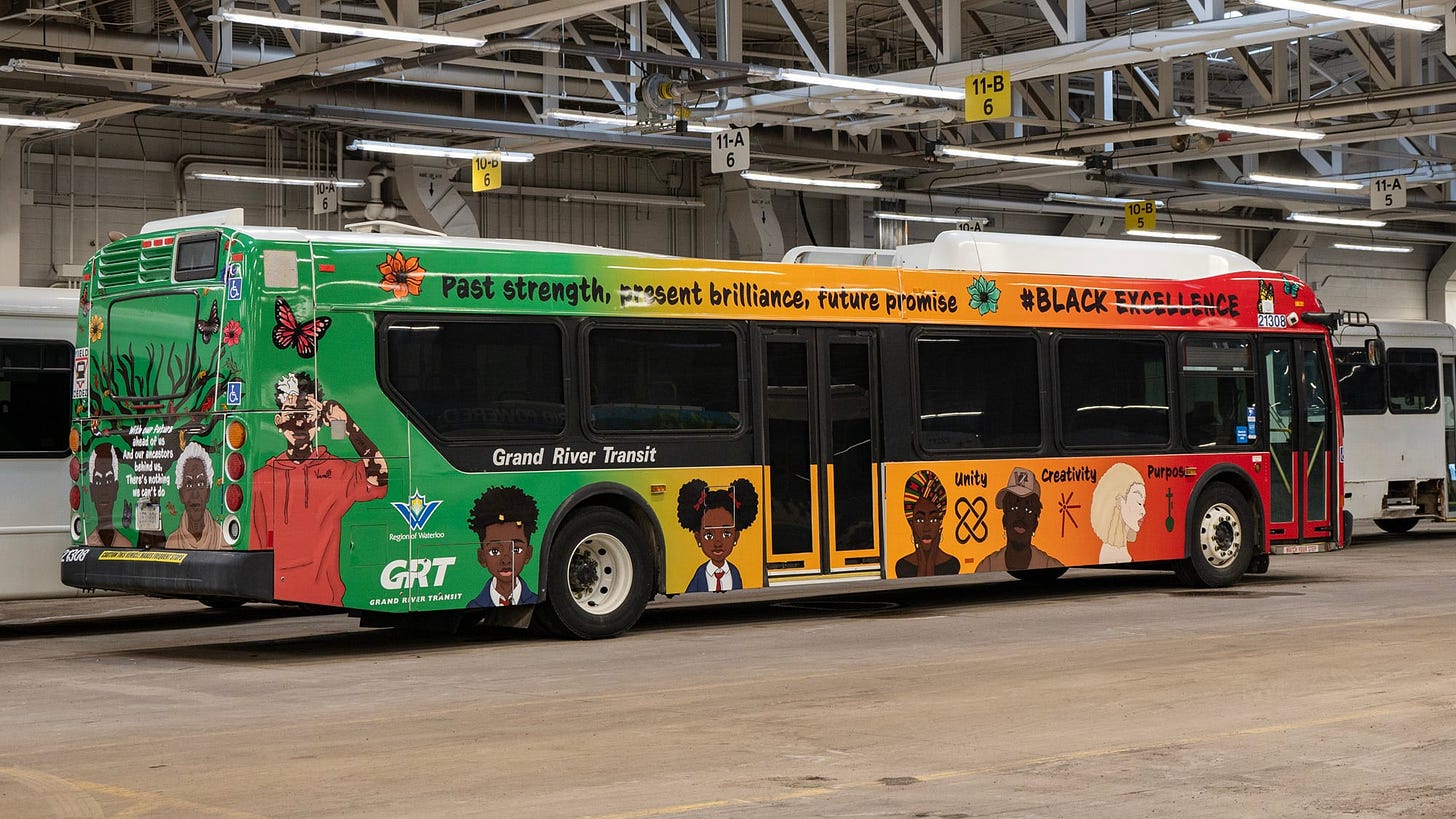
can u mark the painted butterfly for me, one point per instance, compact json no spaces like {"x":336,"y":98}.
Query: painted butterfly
{"x":304,"y":338}
{"x":1291,"y":288}
{"x":208,"y":328}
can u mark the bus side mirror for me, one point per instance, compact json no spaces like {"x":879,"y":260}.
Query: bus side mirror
{"x":1374,"y":351}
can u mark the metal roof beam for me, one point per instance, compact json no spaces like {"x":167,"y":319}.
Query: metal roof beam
{"x":799,"y":27}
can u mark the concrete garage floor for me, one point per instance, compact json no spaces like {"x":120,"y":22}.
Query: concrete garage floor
{"x":1327,"y":687}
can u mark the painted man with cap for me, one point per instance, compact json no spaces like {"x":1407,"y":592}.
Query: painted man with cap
{"x":1020,"y":505}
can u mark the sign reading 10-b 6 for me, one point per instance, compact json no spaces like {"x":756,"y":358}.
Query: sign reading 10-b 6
{"x":988,"y":96}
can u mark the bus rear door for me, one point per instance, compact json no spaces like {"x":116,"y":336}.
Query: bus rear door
{"x":821,"y":411}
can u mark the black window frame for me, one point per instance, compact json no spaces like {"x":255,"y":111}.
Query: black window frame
{"x":1252,"y":442}
{"x":64,"y":374}
{"x":192,"y":274}
{"x":1380,"y":408}
{"x":1169,"y":443}
{"x":584,"y":374}
{"x":919,"y":434}
{"x":1434,"y":365}
{"x":383,"y":372}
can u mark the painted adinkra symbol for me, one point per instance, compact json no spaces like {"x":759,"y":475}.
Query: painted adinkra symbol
{"x":967,"y":529}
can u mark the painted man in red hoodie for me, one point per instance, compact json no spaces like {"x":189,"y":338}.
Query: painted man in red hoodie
{"x":301,"y":495}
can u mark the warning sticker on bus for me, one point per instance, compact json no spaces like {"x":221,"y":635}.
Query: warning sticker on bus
{"x":144,"y":556}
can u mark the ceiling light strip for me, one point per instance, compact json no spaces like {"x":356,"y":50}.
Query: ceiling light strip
{"x":1170,"y":234}
{"x":997,"y":156}
{"x":814,"y":181}
{"x":443,"y":151}
{"x":102,"y":72}
{"x":40,"y":122}
{"x":318,"y":24}
{"x":932,"y":218}
{"x":1090,"y":199}
{"x":1332,"y":10}
{"x":870,"y":84}
{"x":1328,"y":184}
{"x":1373,"y":248}
{"x":1321,"y":219}
{"x":1211,"y":124}
{"x":263,"y":179}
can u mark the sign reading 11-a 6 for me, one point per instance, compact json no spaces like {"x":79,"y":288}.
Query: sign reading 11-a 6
{"x":729,"y":152}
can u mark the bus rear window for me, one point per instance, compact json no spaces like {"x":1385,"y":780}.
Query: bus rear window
{"x":35,"y":397}
{"x":1362,"y":384}
{"x":1415,"y":380}
{"x":196,"y":257}
{"x":149,"y":341}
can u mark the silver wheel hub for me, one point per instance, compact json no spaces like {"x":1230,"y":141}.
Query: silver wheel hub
{"x":599,"y":574}
{"x":1220,"y":533}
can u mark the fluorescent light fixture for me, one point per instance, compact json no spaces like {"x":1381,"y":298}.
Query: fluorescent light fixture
{"x":263,"y":179}
{"x":1209,"y":124}
{"x":1321,"y":219}
{"x":445,"y":151}
{"x":1373,"y":248}
{"x":1330,"y":184}
{"x":1169,"y":234}
{"x":101,"y":72}
{"x":997,"y":156}
{"x":816,"y":181}
{"x":40,"y":122}
{"x":625,"y":121}
{"x":929,"y":217}
{"x":423,"y":36}
{"x":902,"y":89}
{"x":1089,"y":199}
{"x":1375,"y":18}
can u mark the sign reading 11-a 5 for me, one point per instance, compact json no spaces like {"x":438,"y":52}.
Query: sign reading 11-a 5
{"x":730,"y":151}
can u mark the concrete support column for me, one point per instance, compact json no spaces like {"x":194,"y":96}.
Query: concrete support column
{"x":10,"y":147}
{"x":1436,"y":282}
{"x":1286,"y":250}
{"x":754,"y":223}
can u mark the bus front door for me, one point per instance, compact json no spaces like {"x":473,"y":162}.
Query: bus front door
{"x":1302,"y":439}
{"x":821,"y":410}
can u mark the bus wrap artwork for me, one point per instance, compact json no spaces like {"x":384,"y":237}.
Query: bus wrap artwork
{"x":423,"y":425}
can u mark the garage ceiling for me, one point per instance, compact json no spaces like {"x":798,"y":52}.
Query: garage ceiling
{"x":1092,"y":79}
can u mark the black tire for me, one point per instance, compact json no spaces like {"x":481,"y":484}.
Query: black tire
{"x":1395,"y":526}
{"x":1347,"y":528}
{"x":1220,"y":542}
{"x":598,"y":577}
{"x":1037,"y":575}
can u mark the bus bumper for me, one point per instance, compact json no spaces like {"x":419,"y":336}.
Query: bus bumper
{"x":1303,"y":548}
{"x":171,"y":573}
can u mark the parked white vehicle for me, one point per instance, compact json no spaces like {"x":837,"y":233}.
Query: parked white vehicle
{"x":1400,"y":421}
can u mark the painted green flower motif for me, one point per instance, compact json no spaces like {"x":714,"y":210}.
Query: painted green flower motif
{"x":984,"y":295}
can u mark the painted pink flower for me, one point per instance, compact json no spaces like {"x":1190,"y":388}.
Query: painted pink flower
{"x":232,"y":332}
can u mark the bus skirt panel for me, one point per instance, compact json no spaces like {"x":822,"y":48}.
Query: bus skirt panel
{"x":171,"y":573}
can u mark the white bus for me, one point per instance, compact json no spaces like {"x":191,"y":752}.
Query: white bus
{"x":1400,"y":421}
{"x":37,"y":341}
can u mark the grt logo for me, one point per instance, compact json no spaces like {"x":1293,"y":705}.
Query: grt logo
{"x":411,"y":574}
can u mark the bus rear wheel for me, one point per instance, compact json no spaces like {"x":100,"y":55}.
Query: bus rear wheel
{"x":1221,"y":542}
{"x":598,"y":579}
{"x":1395,"y":526}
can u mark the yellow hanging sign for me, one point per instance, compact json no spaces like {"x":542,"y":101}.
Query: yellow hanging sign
{"x":1140,"y":215}
{"x":988,"y":96}
{"x":485,"y":171}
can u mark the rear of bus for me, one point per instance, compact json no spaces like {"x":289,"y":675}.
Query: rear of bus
{"x":158,"y":408}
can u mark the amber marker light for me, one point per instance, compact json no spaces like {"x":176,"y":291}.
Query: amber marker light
{"x":74,"y":440}
{"x":236,"y":434}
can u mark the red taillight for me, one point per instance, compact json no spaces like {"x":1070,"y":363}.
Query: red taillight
{"x":75,"y":498}
{"x":75,"y":469}
{"x":233,"y":497}
{"x":235,"y":466}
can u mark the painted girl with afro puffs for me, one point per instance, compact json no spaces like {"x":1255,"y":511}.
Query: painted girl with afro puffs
{"x":716,"y":517}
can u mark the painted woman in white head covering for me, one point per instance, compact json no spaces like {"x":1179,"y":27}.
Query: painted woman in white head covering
{"x":1119,"y":503}
{"x":196,"y":529}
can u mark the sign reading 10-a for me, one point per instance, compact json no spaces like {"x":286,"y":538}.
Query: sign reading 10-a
{"x":988,"y":96}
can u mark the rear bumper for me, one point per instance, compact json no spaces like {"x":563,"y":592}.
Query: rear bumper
{"x":171,"y":573}
{"x":1304,"y":548}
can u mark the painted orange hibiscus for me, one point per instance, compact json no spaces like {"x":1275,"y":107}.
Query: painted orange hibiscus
{"x":401,"y":275}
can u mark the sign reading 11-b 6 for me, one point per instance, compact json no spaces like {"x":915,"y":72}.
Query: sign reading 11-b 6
{"x":729,"y":152}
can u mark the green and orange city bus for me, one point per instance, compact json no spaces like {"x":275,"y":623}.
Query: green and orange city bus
{"x":409,"y":426}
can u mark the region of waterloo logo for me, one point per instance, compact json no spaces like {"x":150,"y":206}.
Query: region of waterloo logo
{"x":417,"y":511}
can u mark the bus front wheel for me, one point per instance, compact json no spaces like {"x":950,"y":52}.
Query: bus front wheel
{"x":1395,"y":526}
{"x":1221,"y":542}
{"x":599,"y":577}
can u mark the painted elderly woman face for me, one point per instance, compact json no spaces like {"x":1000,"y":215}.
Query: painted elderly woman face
{"x":717,"y":535}
{"x":1134,"y":507}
